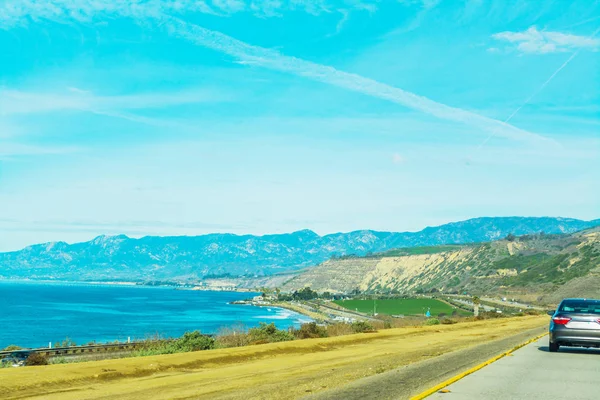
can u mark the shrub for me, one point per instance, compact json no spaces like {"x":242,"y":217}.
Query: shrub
{"x":310,"y":331}
{"x":268,"y":333}
{"x":12,"y":347}
{"x":533,"y":312}
{"x":339,"y":329}
{"x":441,"y":315}
{"x":432,"y":321}
{"x":448,"y":321}
{"x":362,"y":326}
{"x":190,"y":341}
{"x":36,"y":359}
{"x":235,"y":336}
{"x":492,"y":315}
{"x":193,"y":341}
{"x":65,"y":343}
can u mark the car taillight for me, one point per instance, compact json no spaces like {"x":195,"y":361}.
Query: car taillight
{"x":561,"y":320}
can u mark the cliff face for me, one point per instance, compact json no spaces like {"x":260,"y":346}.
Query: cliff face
{"x":553,"y":266}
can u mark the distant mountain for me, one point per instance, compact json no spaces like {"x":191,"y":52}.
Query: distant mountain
{"x":213,"y":255}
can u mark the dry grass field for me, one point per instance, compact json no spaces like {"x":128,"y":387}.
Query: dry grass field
{"x":277,"y":370}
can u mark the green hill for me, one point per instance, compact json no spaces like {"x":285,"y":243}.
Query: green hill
{"x":541,"y":267}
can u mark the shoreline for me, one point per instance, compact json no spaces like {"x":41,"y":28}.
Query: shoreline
{"x":68,"y":282}
{"x":193,"y":287}
{"x":315,"y":317}
{"x":281,"y":315}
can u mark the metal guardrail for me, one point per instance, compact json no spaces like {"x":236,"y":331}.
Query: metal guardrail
{"x":85,"y":349}
{"x":76,"y":350}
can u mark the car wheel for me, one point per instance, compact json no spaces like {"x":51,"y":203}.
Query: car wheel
{"x":553,"y":347}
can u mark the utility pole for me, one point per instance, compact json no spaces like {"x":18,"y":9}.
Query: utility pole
{"x":476,"y":302}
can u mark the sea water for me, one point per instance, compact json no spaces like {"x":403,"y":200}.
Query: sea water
{"x":33,"y":314}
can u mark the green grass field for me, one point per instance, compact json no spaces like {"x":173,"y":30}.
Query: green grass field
{"x":400,"y":306}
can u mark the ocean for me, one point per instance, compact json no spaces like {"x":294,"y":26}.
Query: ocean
{"x":32,"y":314}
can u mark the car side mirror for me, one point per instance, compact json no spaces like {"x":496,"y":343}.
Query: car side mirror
{"x":551,"y":312}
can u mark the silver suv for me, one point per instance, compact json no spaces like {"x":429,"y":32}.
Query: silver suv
{"x":576,"y":322}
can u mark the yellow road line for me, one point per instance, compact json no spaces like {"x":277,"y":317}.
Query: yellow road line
{"x":458,"y":377}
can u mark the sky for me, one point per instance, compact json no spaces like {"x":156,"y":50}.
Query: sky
{"x":185,"y":117}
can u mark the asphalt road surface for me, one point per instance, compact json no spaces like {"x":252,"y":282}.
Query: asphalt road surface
{"x":410,"y":380}
{"x":533,"y":373}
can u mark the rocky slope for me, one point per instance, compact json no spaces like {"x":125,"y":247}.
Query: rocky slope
{"x":551,"y":266}
{"x":227,"y":255}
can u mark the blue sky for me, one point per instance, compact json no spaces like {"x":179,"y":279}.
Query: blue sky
{"x":188,"y":117}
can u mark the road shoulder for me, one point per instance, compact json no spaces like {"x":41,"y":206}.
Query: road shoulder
{"x":410,"y":380}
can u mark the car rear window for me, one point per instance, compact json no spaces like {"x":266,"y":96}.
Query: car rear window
{"x":581,"y":306}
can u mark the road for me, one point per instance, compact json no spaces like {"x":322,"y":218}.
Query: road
{"x":470,"y":304}
{"x":408,"y":381}
{"x":341,"y":312}
{"x":513,"y":304}
{"x":533,"y":373}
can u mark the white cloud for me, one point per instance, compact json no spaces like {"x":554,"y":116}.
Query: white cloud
{"x":18,"y":12}
{"x":20,"y":102}
{"x":77,"y":90}
{"x":10,"y":150}
{"x":541,"y":42}
{"x":397,"y":158}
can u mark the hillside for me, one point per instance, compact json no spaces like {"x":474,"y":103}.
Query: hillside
{"x":551,"y":266}
{"x":227,"y":255}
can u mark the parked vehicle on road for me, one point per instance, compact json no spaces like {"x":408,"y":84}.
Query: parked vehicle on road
{"x":576,"y":322}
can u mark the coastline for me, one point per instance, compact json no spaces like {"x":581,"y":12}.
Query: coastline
{"x":314,"y":316}
{"x":44,"y":301}
{"x":194,"y":287}
{"x":63,"y":282}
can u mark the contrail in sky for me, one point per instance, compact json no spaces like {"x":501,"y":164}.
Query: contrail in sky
{"x":538,"y":89}
{"x":272,"y":59}
{"x":17,"y":12}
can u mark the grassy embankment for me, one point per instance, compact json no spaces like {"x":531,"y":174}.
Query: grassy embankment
{"x":282,"y":370}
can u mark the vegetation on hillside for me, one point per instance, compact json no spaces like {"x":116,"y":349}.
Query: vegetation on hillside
{"x":408,"y":251}
{"x":534,"y":263}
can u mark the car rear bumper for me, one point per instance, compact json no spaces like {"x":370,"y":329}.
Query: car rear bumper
{"x":575,"y":337}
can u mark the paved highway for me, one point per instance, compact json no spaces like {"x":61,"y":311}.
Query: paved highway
{"x":405,"y":382}
{"x":533,"y":373}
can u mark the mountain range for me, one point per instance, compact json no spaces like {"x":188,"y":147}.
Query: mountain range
{"x":193,"y":258}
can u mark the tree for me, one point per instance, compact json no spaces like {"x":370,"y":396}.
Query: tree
{"x":305,"y":294}
{"x":510,"y":237}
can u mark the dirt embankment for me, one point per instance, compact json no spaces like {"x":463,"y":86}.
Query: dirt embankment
{"x":277,"y":370}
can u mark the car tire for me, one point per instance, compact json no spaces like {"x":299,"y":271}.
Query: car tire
{"x":553,"y":347}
